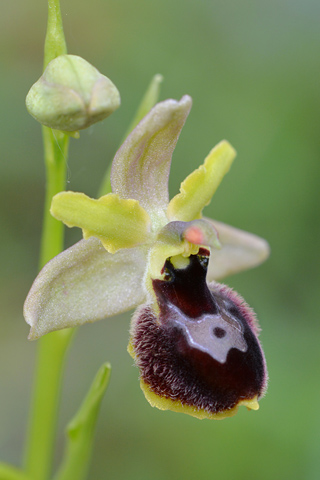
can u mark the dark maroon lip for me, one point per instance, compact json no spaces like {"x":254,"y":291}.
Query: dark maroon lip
{"x":187,"y":288}
{"x":201,"y":348}
{"x":175,"y":370}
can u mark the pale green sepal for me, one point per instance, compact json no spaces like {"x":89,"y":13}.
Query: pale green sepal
{"x":80,"y":430}
{"x":148,"y":101}
{"x":116,"y":222}
{"x":84,"y":284}
{"x":198,"y":188}
{"x":8,"y":472}
{"x":239,"y":251}
{"x":71,"y":95}
{"x":141,"y":166}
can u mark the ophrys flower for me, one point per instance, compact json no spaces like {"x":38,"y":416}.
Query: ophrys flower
{"x":194,"y":340}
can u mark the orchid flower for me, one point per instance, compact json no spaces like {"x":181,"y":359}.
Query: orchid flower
{"x":193,"y":339}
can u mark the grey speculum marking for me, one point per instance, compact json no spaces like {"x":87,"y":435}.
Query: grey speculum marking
{"x":200,"y":333}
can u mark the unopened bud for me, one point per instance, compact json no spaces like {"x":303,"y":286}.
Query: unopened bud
{"x":71,"y":95}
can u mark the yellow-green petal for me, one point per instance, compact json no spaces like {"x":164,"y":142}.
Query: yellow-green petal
{"x":198,"y":188}
{"x":116,"y":222}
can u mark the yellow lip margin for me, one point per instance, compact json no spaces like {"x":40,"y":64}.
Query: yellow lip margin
{"x":163,"y":403}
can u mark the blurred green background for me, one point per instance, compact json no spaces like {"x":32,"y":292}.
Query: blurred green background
{"x":252,"y":68}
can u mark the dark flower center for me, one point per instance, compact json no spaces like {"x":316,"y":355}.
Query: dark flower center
{"x":186,"y":288}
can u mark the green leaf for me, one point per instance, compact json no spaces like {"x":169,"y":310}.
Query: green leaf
{"x":7,"y":472}
{"x":80,"y":431}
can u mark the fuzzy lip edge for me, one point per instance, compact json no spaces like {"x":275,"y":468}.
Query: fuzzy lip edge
{"x":163,"y":403}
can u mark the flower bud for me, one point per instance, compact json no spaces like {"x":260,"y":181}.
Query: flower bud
{"x":71,"y":95}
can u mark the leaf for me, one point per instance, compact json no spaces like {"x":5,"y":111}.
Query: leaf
{"x":7,"y":472}
{"x":80,"y":430}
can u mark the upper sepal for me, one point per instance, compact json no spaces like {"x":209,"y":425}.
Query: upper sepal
{"x":140,"y":169}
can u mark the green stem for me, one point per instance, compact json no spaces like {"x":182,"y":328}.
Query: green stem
{"x":55,"y":43}
{"x":56,"y":152}
{"x":51,"y":348}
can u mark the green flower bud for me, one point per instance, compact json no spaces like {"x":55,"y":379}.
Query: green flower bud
{"x":71,"y":95}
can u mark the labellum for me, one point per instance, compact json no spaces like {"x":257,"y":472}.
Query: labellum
{"x":199,"y":353}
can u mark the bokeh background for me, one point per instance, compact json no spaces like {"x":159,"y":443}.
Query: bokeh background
{"x":252,"y":68}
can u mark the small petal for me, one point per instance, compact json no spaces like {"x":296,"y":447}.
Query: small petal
{"x":116,"y":222}
{"x":84,"y":284}
{"x":239,"y":251}
{"x":141,"y":166}
{"x":198,"y":188}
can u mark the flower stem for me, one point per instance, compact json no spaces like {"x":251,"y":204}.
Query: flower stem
{"x":51,"y":348}
{"x":55,"y":43}
{"x":56,"y":152}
